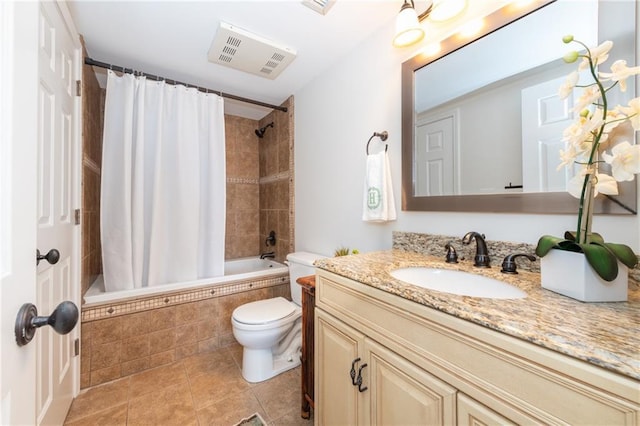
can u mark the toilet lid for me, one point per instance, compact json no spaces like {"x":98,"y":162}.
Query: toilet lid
{"x":264,"y":311}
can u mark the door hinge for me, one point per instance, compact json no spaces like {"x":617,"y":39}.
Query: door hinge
{"x":76,"y":347}
{"x":76,"y":216}
{"x":78,"y":88}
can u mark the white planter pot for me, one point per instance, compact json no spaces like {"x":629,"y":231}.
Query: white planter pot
{"x":568,"y":273}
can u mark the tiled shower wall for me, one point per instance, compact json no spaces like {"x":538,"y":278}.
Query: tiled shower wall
{"x":276,"y":181}
{"x":92,"y":116}
{"x":243,"y":198}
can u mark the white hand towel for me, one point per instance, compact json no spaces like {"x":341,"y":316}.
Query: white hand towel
{"x":379,"y":204}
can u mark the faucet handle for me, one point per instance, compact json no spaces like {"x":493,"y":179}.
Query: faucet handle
{"x":452,"y":256}
{"x":509,"y":262}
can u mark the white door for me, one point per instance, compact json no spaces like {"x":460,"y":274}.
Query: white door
{"x":40,"y":192}
{"x":57,"y":199}
{"x":435,"y":171}
{"x":544,"y":118}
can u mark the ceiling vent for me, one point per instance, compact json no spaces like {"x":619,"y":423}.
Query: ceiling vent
{"x":239,"y":49}
{"x":320,"y":6}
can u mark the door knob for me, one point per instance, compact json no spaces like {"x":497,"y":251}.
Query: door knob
{"x":63,"y":318}
{"x":52,"y":256}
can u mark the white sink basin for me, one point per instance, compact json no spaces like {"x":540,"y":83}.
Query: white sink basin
{"x":458,"y":282}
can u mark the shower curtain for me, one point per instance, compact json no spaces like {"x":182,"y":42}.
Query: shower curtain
{"x":163,"y":184}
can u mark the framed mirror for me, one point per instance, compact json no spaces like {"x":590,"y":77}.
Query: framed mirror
{"x":471,"y":134}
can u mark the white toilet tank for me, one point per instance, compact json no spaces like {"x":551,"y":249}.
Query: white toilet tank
{"x":300,"y":265}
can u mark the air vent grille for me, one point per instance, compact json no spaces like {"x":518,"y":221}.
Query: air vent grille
{"x":229,"y":50}
{"x":320,"y":6}
{"x":241,"y":50}
{"x":233,"y":41}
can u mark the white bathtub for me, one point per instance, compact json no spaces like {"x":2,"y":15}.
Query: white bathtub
{"x":245,"y":269}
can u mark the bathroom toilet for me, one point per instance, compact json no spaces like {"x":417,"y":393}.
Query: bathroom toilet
{"x":270,"y":330}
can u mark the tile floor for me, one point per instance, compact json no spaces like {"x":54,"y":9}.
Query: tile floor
{"x":204,"y":389}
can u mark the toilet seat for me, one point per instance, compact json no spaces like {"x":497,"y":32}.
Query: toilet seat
{"x":264,"y":312}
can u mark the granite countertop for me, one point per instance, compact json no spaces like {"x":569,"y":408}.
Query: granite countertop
{"x":603,"y":334}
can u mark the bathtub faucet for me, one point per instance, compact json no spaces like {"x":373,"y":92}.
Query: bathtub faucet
{"x":270,"y":254}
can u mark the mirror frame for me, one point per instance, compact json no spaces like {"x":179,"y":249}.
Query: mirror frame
{"x":533,"y":203}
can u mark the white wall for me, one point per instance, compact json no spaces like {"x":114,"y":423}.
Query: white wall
{"x":335,"y":116}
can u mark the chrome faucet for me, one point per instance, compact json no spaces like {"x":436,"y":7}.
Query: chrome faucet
{"x":270,"y":255}
{"x":481,"y":258}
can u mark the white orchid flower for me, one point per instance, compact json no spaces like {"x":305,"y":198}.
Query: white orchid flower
{"x":615,"y":117}
{"x":633,"y":112}
{"x":581,"y":133}
{"x":588,"y":96}
{"x":625,"y":161}
{"x":599,"y":55}
{"x":566,"y":89}
{"x":567,"y":157}
{"x":620,"y":72}
{"x":576,"y":137}
{"x":604,"y":184}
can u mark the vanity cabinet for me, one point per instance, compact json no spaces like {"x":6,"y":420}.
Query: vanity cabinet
{"x":397,"y":392}
{"x":416,"y":365}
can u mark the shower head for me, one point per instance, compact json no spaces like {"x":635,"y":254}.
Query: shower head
{"x":261,"y":130}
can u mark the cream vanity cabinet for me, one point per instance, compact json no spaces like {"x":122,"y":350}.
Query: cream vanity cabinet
{"x":381,"y":359}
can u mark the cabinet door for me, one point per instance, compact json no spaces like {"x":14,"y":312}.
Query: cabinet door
{"x":402,"y":393}
{"x":472,"y":413}
{"x":337,"y":400}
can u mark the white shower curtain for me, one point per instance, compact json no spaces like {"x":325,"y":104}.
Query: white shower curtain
{"x":163,"y":184}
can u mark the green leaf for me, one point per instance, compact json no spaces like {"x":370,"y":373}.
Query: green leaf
{"x":546,"y":243}
{"x":595,"y":238}
{"x":623,"y":253}
{"x":602,"y":260}
{"x":570,"y":246}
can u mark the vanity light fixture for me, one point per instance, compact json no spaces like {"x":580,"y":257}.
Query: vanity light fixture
{"x":408,"y":28}
{"x":444,"y":10}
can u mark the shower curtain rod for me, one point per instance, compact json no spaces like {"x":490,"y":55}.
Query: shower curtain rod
{"x":89,"y":61}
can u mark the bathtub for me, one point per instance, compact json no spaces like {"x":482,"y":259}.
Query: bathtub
{"x":239,"y":273}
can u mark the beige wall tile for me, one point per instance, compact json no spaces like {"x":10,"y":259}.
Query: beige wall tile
{"x":162,"y":358}
{"x":136,"y":347}
{"x":135,"y":366}
{"x":163,"y":318}
{"x":105,"y":374}
{"x":207,"y":329}
{"x":106,"y":355}
{"x":186,"y":313}
{"x":185,"y":334}
{"x":160,"y":341}
{"x":136,"y":324}
{"x":107,"y":330}
{"x":208,"y":308}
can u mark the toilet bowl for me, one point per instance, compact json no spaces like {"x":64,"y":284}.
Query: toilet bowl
{"x":270,"y":330}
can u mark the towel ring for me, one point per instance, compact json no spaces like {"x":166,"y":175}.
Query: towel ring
{"x":383,"y":137}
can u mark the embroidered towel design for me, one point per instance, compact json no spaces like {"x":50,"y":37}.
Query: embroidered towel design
{"x":379,"y":204}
